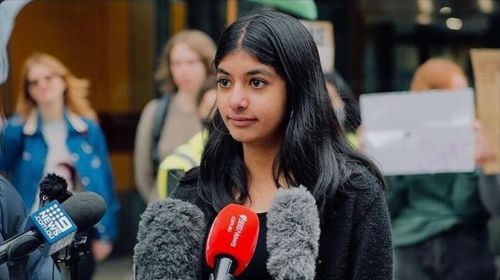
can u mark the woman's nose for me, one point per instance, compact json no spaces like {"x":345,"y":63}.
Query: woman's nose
{"x":239,"y":99}
{"x":42,"y":83}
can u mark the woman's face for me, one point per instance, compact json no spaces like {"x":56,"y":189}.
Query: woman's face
{"x":45,"y":86}
{"x":188,"y":71}
{"x":251,"y":98}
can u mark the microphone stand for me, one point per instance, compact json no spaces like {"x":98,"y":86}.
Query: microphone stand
{"x":68,"y":258}
{"x":226,"y":277}
{"x":17,"y":269}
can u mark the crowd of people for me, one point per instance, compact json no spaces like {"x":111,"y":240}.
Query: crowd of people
{"x":235,"y":123}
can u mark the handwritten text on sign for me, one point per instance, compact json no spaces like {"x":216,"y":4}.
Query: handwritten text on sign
{"x":420,"y":133}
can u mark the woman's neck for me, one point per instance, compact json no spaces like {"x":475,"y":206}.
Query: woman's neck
{"x":261,"y":185}
{"x":52,"y":111}
{"x":186,"y":101}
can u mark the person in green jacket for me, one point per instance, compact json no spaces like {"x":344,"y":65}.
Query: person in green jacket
{"x":187,"y":155}
{"x":438,"y":220}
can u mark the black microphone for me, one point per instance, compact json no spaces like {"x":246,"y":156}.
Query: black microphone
{"x":170,"y":240}
{"x":53,"y":187}
{"x":293,"y":234}
{"x":54,"y":226}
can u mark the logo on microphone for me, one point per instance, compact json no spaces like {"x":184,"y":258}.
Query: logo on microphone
{"x":53,"y":222}
{"x":239,"y":229}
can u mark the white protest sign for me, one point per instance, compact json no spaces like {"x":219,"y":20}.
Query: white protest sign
{"x":420,"y":133}
{"x":322,"y":33}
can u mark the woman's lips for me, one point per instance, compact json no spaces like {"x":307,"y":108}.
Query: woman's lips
{"x":241,"y":121}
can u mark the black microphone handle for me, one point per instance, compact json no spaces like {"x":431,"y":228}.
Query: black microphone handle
{"x":19,"y":246}
{"x":224,"y":267}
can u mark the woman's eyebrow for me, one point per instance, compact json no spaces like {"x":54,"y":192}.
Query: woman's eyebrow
{"x":256,"y":71}
{"x":222,"y":71}
{"x":261,"y":71}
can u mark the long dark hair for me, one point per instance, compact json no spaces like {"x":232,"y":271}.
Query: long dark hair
{"x":314,"y":152}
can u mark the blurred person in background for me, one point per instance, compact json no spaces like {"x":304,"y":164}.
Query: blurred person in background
{"x":12,"y":209}
{"x":187,"y":155}
{"x":171,"y":120}
{"x":12,"y":218}
{"x":352,"y":118}
{"x":345,"y":105}
{"x":54,"y":130}
{"x":439,"y":221}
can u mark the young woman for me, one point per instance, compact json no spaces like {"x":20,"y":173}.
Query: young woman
{"x":274,"y":127}
{"x":54,"y":132}
{"x":171,"y":120}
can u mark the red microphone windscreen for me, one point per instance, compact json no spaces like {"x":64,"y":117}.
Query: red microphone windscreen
{"x":234,"y":233}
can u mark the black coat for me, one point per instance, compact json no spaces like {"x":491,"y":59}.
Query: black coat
{"x":355,"y":241}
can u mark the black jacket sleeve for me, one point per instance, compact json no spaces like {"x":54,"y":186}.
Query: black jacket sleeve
{"x":372,"y":250}
{"x":187,"y":188}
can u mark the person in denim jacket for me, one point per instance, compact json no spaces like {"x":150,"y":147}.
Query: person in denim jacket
{"x":55,"y":131}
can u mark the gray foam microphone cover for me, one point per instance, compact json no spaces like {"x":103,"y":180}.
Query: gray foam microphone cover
{"x":293,"y":230}
{"x":169,"y":241}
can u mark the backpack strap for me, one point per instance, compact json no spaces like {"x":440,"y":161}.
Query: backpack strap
{"x":159,"y":121}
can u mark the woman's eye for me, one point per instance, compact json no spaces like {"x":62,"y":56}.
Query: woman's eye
{"x":223,"y":83}
{"x":257,"y":83}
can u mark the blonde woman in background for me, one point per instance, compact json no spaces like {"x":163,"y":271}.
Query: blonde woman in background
{"x":171,"y":120}
{"x":54,"y":130}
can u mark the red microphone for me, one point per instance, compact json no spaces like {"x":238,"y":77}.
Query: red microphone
{"x":231,"y":241}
